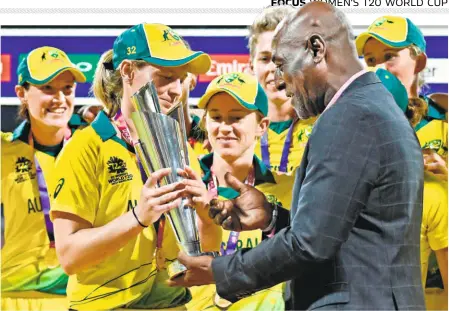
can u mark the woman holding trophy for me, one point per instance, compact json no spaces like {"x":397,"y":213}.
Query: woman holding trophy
{"x":236,"y":109}
{"x":111,"y":238}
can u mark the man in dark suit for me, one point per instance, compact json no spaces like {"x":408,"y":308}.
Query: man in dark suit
{"x":353,"y":239}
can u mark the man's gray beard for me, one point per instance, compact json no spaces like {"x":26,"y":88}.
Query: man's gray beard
{"x":304,"y":108}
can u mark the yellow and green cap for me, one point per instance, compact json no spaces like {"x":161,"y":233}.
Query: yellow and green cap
{"x":45,"y":63}
{"x":158,"y":45}
{"x":243,"y":87}
{"x":396,"y":88}
{"x":393,"y":31}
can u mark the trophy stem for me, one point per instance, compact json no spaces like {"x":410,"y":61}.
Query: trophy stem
{"x":163,"y":144}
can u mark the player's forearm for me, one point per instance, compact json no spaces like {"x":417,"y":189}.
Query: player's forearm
{"x":90,"y":246}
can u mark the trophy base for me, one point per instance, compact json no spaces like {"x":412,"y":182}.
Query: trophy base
{"x":176,"y":269}
{"x":221,"y":303}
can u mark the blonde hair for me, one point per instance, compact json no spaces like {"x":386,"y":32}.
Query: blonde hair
{"x":23,"y":113}
{"x":266,"y":21}
{"x":107,"y":85}
{"x":416,"y":110}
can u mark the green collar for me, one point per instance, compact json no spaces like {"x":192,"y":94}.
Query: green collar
{"x":50,"y":150}
{"x":76,"y":121}
{"x":104,"y":128}
{"x":262,"y":175}
{"x":195,"y":120}
{"x":195,"y":131}
{"x":21,"y":132}
{"x":281,"y":126}
{"x":433,"y":112}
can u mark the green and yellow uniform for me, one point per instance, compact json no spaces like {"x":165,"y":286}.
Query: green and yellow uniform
{"x":401,"y":32}
{"x":277,"y":135}
{"x":433,"y":238}
{"x":432,"y":134}
{"x":432,"y":130}
{"x":99,"y":180}
{"x":32,"y":278}
{"x":277,"y":188}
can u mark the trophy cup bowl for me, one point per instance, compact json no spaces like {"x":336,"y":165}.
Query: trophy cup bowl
{"x":163,"y":143}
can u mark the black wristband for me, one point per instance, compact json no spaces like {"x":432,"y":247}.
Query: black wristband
{"x":134,"y":213}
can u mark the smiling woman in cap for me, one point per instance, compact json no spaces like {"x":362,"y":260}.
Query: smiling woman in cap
{"x":282,"y":146}
{"x":236,"y":110}
{"x":32,"y":278}
{"x":111,"y":238}
{"x":400,"y":46}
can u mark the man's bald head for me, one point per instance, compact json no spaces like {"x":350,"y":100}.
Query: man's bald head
{"x":313,"y":49}
{"x":315,"y":18}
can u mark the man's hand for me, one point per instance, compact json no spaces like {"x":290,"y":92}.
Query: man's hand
{"x":199,"y":271}
{"x":249,"y":211}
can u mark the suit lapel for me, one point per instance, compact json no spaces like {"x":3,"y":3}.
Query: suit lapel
{"x":300,"y":175}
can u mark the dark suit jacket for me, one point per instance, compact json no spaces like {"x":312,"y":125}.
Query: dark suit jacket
{"x":353,"y":240}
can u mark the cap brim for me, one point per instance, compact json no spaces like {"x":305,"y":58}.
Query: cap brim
{"x":77,"y":74}
{"x":360,"y":42}
{"x":204,"y":100}
{"x":394,"y":86}
{"x":362,"y":38}
{"x":197,"y":62}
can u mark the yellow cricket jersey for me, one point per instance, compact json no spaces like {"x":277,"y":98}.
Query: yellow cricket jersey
{"x":277,"y":188}
{"x":277,"y":134}
{"x":99,"y":180}
{"x":432,"y":130}
{"x":433,"y":236}
{"x":30,"y":269}
{"x":434,"y":136}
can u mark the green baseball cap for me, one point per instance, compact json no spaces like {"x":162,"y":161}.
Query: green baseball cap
{"x":44,"y":64}
{"x":158,"y":45}
{"x":393,"y":31}
{"x":243,"y":87}
{"x":396,"y":88}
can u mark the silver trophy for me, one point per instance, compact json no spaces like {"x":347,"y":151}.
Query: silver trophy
{"x":163,"y":143}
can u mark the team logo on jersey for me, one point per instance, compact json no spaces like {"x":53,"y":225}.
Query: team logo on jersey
{"x":305,"y":133}
{"x":433,"y":144}
{"x":117,"y":169}
{"x":58,"y":187}
{"x":24,"y":170}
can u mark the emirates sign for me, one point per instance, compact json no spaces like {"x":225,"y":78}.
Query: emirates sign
{"x":5,"y":68}
{"x":225,"y":63}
